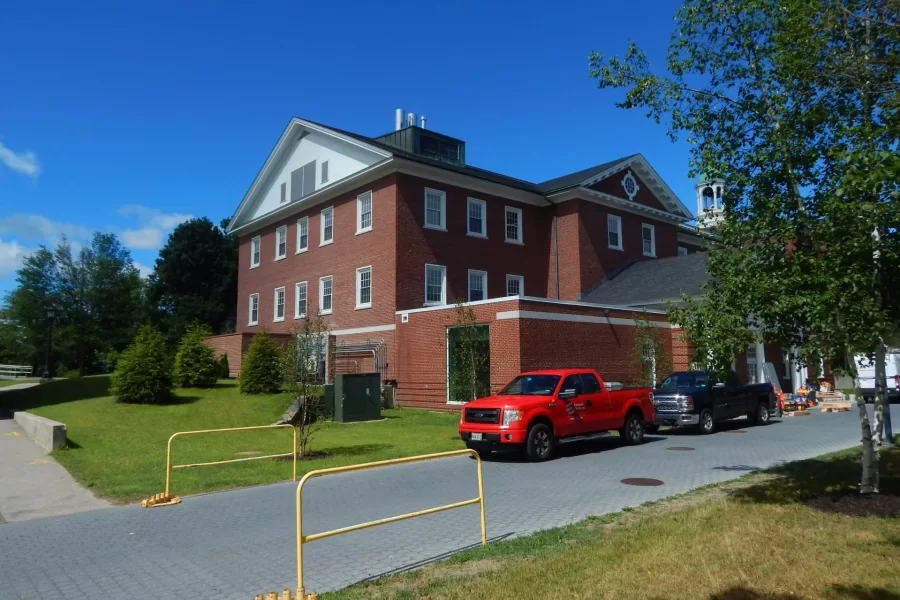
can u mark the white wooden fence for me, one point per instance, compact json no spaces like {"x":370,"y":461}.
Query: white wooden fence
{"x":14,"y":371}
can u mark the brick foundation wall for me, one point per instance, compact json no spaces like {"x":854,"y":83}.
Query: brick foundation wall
{"x":235,"y":345}
{"x":517,"y":344}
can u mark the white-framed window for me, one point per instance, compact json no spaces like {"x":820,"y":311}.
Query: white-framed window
{"x":648,"y":239}
{"x":513,"y":225}
{"x":752,"y":368}
{"x":300,"y":300}
{"x":364,"y":287}
{"x":786,"y":365}
{"x":325,"y":292}
{"x":324,"y":171}
{"x":682,"y":251}
{"x":515,"y":285}
{"x":435,"y":284}
{"x":302,"y":235}
{"x":283,"y":192}
{"x":477,"y":285}
{"x":476,"y":217}
{"x":435,"y":209}
{"x":279,"y":304}
{"x":326,"y":226}
{"x":281,"y":242}
{"x":614,"y":232}
{"x":364,"y":213}
{"x":255,"y":244}
{"x":630,"y":185}
{"x":253,"y":312}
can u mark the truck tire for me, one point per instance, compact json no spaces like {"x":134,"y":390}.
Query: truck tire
{"x":707,"y":422}
{"x":762,"y":414}
{"x":633,"y":432}
{"x":540,"y":443}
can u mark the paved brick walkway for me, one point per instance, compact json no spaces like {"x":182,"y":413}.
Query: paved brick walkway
{"x":236,"y":544}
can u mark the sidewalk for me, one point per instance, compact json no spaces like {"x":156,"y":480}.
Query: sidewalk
{"x":34,"y":484}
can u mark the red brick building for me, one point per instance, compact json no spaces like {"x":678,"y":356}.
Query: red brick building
{"x":381,"y":236}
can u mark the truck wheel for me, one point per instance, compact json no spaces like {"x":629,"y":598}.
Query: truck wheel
{"x":762,"y":414}
{"x":540,"y":443}
{"x":707,"y":422}
{"x":633,"y":432}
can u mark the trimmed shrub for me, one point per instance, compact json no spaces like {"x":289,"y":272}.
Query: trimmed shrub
{"x":195,"y":362}
{"x":261,"y":366}
{"x":143,"y":373}
{"x":224,"y":367}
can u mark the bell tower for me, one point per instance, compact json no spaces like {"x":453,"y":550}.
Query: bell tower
{"x":710,"y":207}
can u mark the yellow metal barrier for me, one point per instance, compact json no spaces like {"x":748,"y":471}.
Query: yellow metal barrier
{"x":302,"y":539}
{"x":166,"y":498}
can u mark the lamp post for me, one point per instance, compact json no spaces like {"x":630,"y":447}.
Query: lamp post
{"x":50,"y":314}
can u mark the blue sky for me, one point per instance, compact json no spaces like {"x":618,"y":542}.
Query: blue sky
{"x":131,"y":117}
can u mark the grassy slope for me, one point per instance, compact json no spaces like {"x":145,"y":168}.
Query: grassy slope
{"x":748,"y":540}
{"x":119,"y":450}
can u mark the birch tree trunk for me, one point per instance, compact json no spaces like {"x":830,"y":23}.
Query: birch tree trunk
{"x":880,"y":382}
{"x":870,"y":470}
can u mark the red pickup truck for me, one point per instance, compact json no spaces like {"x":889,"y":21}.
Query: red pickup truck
{"x":539,"y":409}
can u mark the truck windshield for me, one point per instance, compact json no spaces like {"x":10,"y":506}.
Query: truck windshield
{"x":530,"y":385}
{"x":686,"y":380}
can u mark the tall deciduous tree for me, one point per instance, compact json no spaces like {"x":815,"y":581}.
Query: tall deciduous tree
{"x":195,"y":278}
{"x":794,"y":104}
{"x":95,"y":294}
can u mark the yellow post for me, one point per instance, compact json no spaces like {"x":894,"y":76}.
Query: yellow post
{"x":301,"y":592}
{"x":295,"y":458}
{"x":481,"y":500}
{"x":169,"y":462}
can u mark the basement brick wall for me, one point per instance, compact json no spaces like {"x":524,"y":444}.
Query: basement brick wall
{"x":517,"y":344}
{"x":235,"y":345}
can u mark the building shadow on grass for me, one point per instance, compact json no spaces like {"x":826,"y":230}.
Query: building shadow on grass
{"x":742,"y":593}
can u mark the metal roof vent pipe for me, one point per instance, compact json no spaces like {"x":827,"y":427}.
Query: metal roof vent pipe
{"x":411,"y":120}
{"x":398,"y":119}
{"x":422,"y":120}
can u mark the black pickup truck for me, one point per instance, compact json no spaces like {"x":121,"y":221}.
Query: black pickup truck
{"x":698,"y":398}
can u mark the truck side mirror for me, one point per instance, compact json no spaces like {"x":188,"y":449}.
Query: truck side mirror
{"x":568,"y":394}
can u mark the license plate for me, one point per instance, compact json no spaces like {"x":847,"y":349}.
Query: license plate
{"x":476,"y":437}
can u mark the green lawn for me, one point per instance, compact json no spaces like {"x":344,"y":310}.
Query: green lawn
{"x":8,"y":382}
{"x":754,"y":539}
{"x":119,"y":450}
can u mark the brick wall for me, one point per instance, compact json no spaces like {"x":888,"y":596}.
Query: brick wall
{"x":235,"y":345}
{"x":459,"y":252}
{"x":340,"y":259}
{"x":517,"y":344}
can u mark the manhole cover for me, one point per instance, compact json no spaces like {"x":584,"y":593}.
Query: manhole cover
{"x":642,"y":481}
{"x":737,"y":431}
{"x":681,"y":448}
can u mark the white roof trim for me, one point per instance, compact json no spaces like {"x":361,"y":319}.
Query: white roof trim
{"x":533,"y":299}
{"x":469,"y":182}
{"x":379,"y":169}
{"x":650,"y":176}
{"x":275,"y":156}
{"x":589,"y":195}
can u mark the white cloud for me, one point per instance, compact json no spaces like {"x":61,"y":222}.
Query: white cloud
{"x":11,"y":256}
{"x":153,"y":217}
{"x":143,"y":269}
{"x":38,"y":228}
{"x":23,"y":162}
{"x":146,"y":238}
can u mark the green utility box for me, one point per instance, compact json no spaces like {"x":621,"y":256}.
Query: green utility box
{"x":357,"y":397}
{"x":328,"y":399}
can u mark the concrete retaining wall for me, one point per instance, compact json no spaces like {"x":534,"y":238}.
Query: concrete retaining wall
{"x":47,"y":434}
